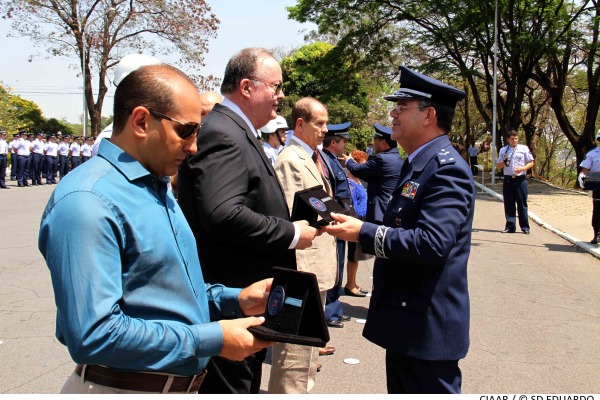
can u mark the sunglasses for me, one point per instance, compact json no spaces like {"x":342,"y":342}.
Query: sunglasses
{"x":278,"y":87}
{"x":187,"y":130}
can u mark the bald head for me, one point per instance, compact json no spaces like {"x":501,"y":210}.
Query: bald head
{"x":208,"y":100}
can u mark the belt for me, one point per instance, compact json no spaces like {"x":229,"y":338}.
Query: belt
{"x":140,"y":381}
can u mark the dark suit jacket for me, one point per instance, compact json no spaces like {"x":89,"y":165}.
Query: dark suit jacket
{"x":234,"y":203}
{"x":381,"y":174}
{"x":420,"y":301}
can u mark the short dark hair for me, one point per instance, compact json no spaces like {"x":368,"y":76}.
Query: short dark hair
{"x":303,"y":109}
{"x":444,"y":113}
{"x":242,"y":65}
{"x":331,"y":138}
{"x":147,"y":86}
{"x":513,"y":133}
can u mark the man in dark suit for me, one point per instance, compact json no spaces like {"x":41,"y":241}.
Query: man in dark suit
{"x":419,"y":310}
{"x":334,"y":145}
{"x":380,"y":172}
{"x":234,"y":203}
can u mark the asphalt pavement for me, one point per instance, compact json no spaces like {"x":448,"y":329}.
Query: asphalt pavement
{"x":535,"y":304}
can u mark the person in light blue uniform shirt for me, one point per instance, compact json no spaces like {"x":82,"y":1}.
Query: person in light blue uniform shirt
{"x":132,"y":305}
{"x":51,"y":152}
{"x":63,"y":157}
{"x":380,"y":172}
{"x":516,"y":160}
{"x":419,"y":310}
{"x":37,"y":160}
{"x":23,"y":150}
{"x":591,"y":163}
{"x":3,"y":159}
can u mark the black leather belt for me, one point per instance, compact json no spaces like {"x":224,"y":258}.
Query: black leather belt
{"x":140,"y":381}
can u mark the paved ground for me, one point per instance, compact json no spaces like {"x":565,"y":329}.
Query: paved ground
{"x":535,"y":306}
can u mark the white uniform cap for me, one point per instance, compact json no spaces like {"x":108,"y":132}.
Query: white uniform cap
{"x":130,"y":63}
{"x":270,"y":127}
{"x":281,"y":122}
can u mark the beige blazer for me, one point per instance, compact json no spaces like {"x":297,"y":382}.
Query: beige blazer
{"x":297,"y":171}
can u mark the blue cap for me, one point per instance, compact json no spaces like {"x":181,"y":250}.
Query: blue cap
{"x":416,"y":86}
{"x":339,"y":129}
{"x":382,"y":131}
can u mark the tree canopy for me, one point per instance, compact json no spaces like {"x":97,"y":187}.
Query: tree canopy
{"x":99,"y":33}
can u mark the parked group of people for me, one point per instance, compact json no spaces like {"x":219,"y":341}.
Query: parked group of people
{"x":34,"y":157}
{"x":146,"y":313}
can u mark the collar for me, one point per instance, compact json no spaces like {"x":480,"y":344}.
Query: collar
{"x":234,"y":107}
{"x":304,"y":145}
{"x":420,"y":157}
{"x":123,"y":162}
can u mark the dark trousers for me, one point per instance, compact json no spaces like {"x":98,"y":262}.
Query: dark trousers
{"x":75,"y":161}
{"x":514,"y":191}
{"x":21,"y":170}
{"x":412,"y":375}
{"x":2,"y":170}
{"x":596,"y":211}
{"x":473,"y":161}
{"x":84,"y":159}
{"x":28,"y":167}
{"x":333,"y":306}
{"x":51,"y":168}
{"x":13,"y":166}
{"x":44,"y":166}
{"x":230,"y":377}
{"x":63,"y":166}
{"x":36,"y":169}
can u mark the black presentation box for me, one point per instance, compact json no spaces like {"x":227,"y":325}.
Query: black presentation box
{"x":294,"y":310}
{"x":312,"y":203}
{"x":592,"y":181}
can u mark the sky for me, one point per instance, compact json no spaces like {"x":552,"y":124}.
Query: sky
{"x":57,"y":89}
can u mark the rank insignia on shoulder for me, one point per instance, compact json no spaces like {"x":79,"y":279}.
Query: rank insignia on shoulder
{"x":444,"y":158}
{"x":410,"y":189}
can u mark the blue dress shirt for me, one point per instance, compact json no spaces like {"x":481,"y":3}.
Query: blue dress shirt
{"x":127,"y":281}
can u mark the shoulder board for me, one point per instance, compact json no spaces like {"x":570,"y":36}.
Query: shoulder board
{"x":445,"y":157}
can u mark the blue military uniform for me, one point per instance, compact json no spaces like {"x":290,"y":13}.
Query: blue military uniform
{"x":419,"y":310}
{"x":341,"y":191}
{"x":381,"y":174}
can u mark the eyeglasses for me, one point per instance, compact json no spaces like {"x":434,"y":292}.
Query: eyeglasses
{"x":188,"y":129}
{"x":400,"y":108}
{"x":278,"y":87}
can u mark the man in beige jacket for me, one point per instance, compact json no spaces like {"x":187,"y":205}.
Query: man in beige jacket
{"x":299,"y":167}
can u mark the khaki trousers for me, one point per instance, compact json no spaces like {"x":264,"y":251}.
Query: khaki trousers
{"x":294,"y":367}
{"x":76,"y":385}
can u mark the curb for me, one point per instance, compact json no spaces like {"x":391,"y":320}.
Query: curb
{"x":593,"y":250}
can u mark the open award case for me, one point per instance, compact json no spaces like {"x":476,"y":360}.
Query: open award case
{"x":592,"y":181}
{"x":294,"y":310}
{"x":312,"y":203}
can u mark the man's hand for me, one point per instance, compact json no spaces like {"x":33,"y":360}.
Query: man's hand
{"x":581,"y":179}
{"x":307,"y":234}
{"x":344,"y":227}
{"x":253,"y":299}
{"x":342,"y":159}
{"x":238,"y":343}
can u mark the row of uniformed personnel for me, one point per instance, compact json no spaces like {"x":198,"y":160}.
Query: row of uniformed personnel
{"x":43,"y":156}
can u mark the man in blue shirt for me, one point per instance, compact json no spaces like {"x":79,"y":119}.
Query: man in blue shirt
{"x":132,"y":305}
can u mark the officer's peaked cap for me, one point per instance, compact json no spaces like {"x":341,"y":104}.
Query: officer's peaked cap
{"x":382,"y":131}
{"x":339,"y":129}
{"x":416,"y":86}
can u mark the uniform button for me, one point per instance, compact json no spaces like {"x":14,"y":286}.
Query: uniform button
{"x":403,"y":304}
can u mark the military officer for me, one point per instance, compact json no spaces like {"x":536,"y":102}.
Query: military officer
{"x":419,"y":310}
{"x":380,"y":172}
{"x":36,"y":165}
{"x":63,"y":156}
{"x":3,"y":158}
{"x":591,"y":163}
{"x":51,"y":152}
{"x":334,"y":146}
{"x":75,"y":152}
{"x":13,"y":156}
{"x":23,"y":149}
